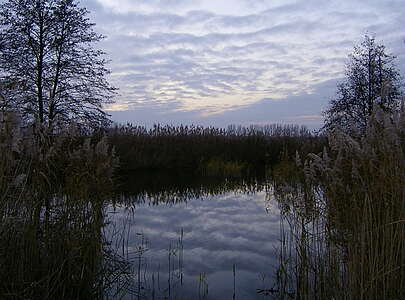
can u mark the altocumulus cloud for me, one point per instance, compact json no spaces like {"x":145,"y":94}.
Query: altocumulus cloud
{"x":206,"y":61}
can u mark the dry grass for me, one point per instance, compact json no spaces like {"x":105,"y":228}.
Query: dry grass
{"x":52,"y":202}
{"x":346,"y":237}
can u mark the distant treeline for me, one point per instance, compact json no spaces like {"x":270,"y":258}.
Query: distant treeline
{"x":208,"y":150}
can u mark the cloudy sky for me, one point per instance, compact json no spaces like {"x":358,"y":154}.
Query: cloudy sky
{"x":220,"y":62}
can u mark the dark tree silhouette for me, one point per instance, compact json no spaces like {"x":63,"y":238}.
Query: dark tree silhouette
{"x":372,"y":79}
{"x":47,"y":52}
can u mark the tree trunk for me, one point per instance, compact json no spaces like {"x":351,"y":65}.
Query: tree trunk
{"x":40,"y":70}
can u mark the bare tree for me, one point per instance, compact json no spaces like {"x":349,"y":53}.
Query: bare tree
{"x":47,"y":47}
{"x":372,"y":79}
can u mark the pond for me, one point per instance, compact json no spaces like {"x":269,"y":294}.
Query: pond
{"x":195,"y":238}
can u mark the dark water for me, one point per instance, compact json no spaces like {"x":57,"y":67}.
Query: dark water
{"x":195,"y":238}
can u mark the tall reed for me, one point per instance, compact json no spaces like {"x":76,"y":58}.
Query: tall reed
{"x":53,"y":190}
{"x":347,"y":221}
{"x":208,"y":150}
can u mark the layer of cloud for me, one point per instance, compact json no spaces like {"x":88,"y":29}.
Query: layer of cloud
{"x":209,"y":58}
{"x":305,"y":109}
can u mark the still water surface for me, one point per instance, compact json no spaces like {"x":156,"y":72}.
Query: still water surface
{"x":195,"y":238}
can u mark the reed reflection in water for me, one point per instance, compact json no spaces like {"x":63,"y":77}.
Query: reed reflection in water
{"x":191,"y":241}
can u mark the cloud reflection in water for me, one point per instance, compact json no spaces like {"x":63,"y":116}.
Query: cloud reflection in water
{"x":219,"y":231}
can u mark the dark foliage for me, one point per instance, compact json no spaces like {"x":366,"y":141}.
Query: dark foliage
{"x":193,"y":147}
{"x":51,"y":72}
{"x":372,"y":79}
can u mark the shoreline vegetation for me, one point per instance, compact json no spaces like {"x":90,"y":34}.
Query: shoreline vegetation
{"x":52,"y":198}
{"x":54,"y":191}
{"x":343,"y":229}
{"x":210,"y":151}
{"x":343,"y":217}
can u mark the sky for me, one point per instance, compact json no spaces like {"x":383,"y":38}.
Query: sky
{"x":215,"y":63}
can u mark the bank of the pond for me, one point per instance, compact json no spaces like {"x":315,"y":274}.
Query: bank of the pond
{"x":235,"y":151}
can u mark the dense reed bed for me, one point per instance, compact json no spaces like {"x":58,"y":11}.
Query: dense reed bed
{"x":234,"y":151}
{"x":52,"y":195}
{"x":344,"y":228}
